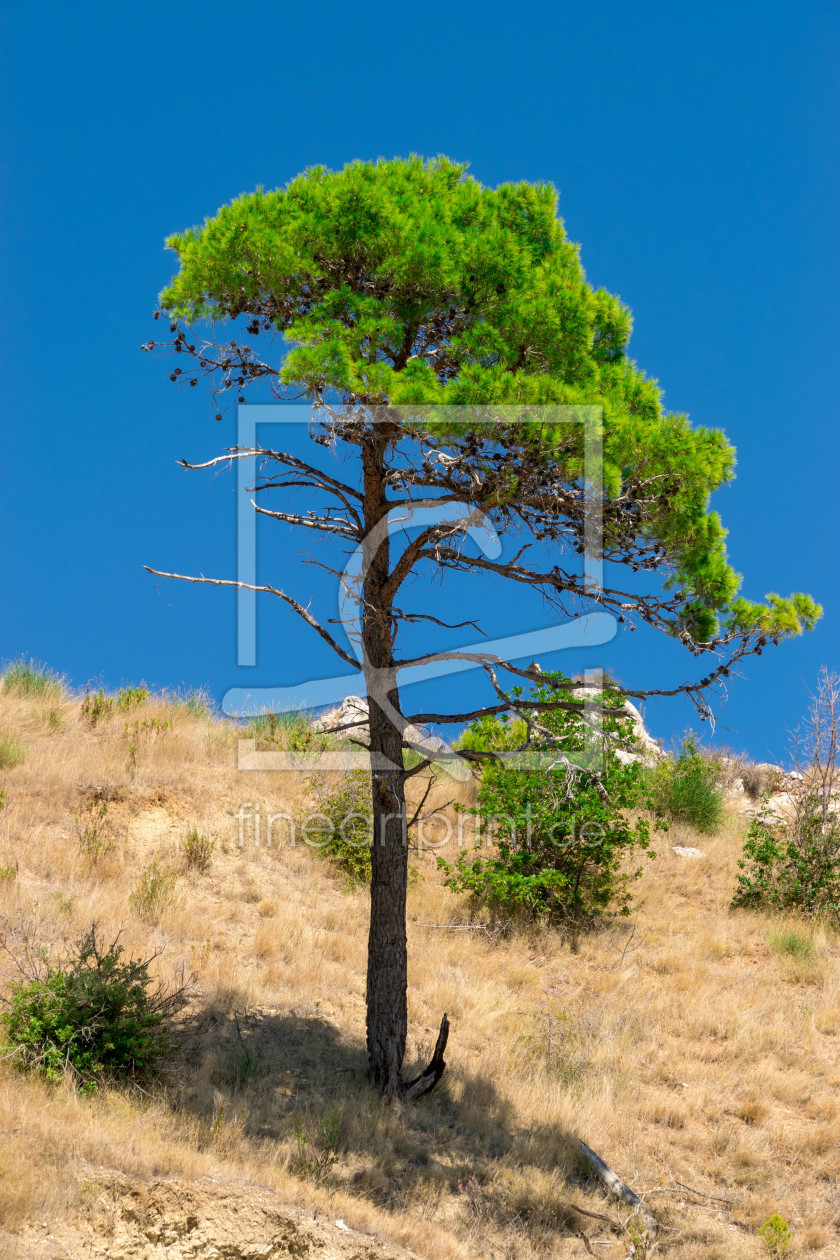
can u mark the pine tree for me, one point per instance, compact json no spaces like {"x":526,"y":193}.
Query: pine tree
{"x":441,"y":330}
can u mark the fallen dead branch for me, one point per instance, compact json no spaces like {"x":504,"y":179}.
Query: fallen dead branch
{"x":619,"y":1190}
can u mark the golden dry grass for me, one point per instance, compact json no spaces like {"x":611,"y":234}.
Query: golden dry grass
{"x":696,"y":1058}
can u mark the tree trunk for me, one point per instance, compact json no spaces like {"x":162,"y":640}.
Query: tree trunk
{"x":387,"y":974}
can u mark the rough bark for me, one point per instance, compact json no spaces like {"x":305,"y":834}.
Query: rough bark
{"x":387,"y":973}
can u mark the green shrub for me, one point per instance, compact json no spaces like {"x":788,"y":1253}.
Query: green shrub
{"x":562,"y":837}
{"x":688,"y":788}
{"x":197,"y":850}
{"x":3,"y":797}
{"x":7,"y":872}
{"x":11,"y":752}
{"x":775,"y":1234}
{"x":794,"y":867}
{"x":93,"y":1016}
{"x":97,"y":705}
{"x":342,"y":830}
{"x":154,"y":892}
{"x":28,"y":678}
{"x":128,"y":697}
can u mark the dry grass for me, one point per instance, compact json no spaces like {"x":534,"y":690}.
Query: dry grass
{"x":685,"y":1046}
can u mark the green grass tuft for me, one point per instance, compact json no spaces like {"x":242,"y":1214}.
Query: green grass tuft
{"x":29,"y":678}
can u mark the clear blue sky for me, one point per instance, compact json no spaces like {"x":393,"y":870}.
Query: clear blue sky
{"x":696,"y":152}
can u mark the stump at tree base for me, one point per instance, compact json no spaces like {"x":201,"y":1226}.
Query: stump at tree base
{"x":431,"y":1074}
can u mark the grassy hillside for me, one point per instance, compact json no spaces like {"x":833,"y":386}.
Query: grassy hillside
{"x":694,"y":1048}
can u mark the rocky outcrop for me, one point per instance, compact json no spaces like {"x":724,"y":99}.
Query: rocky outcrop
{"x":350,"y":721}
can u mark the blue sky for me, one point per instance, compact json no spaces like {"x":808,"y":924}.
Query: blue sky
{"x":696,"y":154}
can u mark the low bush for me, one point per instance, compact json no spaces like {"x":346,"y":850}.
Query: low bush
{"x":793,"y":867}
{"x":342,"y":830}
{"x":197,"y":850}
{"x":94,"y":1016}
{"x":688,"y":788}
{"x":128,"y":697}
{"x":775,"y":1234}
{"x":11,"y":752}
{"x":558,"y":815}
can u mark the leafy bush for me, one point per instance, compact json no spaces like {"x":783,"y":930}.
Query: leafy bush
{"x":795,"y":867}
{"x":3,"y":797}
{"x":688,"y":789}
{"x":11,"y":752}
{"x":154,"y":892}
{"x":95,"y":1015}
{"x":197,"y":850}
{"x":562,"y":833}
{"x":342,"y":830}
{"x":7,"y":872}
{"x":128,"y":697}
{"x":27,"y":678}
{"x":97,"y":705}
{"x":775,"y":1234}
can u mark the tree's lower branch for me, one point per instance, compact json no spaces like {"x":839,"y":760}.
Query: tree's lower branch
{"x":269,"y":590}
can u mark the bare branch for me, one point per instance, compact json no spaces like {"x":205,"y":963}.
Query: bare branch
{"x":269,"y":590}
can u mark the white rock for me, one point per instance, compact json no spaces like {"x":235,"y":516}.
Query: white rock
{"x":686,"y":850}
{"x":353,"y":714}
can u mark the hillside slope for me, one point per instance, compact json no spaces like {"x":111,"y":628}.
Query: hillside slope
{"x":698,"y":1059}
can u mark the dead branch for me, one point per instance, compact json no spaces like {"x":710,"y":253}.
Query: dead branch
{"x":431,"y":1074}
{"x":269,"y":590}
{"x":616,"y":1187}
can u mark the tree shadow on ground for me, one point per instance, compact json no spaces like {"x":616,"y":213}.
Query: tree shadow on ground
{"x":292,"y":1083}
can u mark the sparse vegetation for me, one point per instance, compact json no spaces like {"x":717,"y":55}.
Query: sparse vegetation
{"x":292,"y":732}
{"x":317,"y":1162}
{"x":11,"y":752}
{"x":688,"y":788}
{"x":794,"y":863}
{"x":682,"y":1043}
{"x":92,"y":1015}
{"x":197,"y":850}
{"x":94,"y":830}
{"x":129,"y":697}
{"x":790,"y":942}
{"x":154,"y":892}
